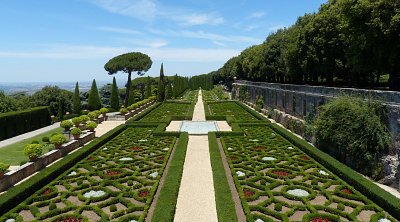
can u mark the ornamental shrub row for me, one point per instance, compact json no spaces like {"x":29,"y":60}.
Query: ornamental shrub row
{"x":19,"y":122}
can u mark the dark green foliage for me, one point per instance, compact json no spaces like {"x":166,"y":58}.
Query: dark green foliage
{"x":114,"y":103}
{"x":204,"y":81}
{"x":77,"y":100}
{"x":169,"y":93}
{"x":60,"y":111}
{"x":161,"y":85}
{"x":113,"y":208}
{"x":180,"y":84}
{"x":19,"y":122}
{"x":94,"y":102}
{"x":51,"y":95}
{"x":352,"y":130}
{"x":128,"y":63}
{"x":148,"y":88}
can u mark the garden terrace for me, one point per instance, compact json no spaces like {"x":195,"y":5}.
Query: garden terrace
{"x":209,"y":95}
{"x":231,"y":109}
{"x":170,"y":110}
{"x":118,"y":180}
{"x":190,"y":95}
{"x":278,"y":181}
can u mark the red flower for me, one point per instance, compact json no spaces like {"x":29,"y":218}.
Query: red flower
{"x":281,"y":173}
{"x":348,"y":191}
{"x":259,"y":148}
{"x":136,"y":148}
{"x":248,"y":193}
{"x":233,"y":158}
{"x":112,"y":173}
{"x":144,"y":193}
{"x":304,"y":158}
{"x":320,"y":219}
{"x":47,"y":191}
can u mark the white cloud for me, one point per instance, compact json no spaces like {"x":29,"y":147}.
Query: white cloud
{"x":206,"y":35}
{"x":118,"y":30}
{"x":256,"y":15}
{"x":96,"y":52}
{"x":149,"y":10}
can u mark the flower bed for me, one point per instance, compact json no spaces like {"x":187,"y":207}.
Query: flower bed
{"x":106,"y":177}
{"x":277,"y":180}
{"x":231,"y":109}
{"x":165,"y":111}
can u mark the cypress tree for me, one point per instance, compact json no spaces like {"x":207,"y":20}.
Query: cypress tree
{"x":77,"y":100}
{"x":114,"y":96}
{"x":94,"y":102}
{"x":169,"y":91}
{"x":161,"y":85}
{"x":148,"y":87}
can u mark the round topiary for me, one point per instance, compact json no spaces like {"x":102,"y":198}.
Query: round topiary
{"x":77,"y":121}
{"x":45,"y":139}
{"x":57,"y":140}
{"x":66,"y":124}
{"x":123,"y":111}
{"x":3,"y":168}
{"x":103,"y":111}
{"x":91,"y":125}
{"x":33,"y":151}
{"x":76,"y":132}
{"x":92,"y":115}
{"x":113,"y":208}
{"x":84,"y":118}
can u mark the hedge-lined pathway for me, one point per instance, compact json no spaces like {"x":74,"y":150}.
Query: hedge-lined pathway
{"x":196,"y":198}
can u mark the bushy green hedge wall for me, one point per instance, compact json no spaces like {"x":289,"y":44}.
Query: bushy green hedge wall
{"x":19,"y":122}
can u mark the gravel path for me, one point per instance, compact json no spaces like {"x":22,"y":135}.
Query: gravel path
{"x":196,"y":198}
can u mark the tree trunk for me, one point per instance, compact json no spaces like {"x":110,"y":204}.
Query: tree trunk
{"x":128,"y":89}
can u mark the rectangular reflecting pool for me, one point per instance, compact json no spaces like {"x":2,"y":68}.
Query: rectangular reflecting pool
{"x":199,"y":127}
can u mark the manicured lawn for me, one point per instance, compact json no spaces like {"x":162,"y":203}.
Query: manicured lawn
{"x":13,"y":154}
{"x":231,"y":109}
{"x":278,"y":181}
{"x":117,"y":181}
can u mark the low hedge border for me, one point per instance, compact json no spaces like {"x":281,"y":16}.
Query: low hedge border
{"x":166,"y":204}
{"x":143,"y":113}
{"x":384,"y":199}
{"x":223,"y":197}
{"x":19,"y":193}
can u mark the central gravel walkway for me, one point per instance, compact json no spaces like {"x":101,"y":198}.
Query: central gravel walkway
{"x":196,"y":198}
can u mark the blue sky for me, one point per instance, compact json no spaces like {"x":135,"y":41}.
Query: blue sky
{"x":50,"y":41}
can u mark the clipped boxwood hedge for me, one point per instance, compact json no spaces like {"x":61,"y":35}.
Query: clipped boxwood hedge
{"x":384,"y":199}
{"x":19,"y":193}
{"x":20,"y":122}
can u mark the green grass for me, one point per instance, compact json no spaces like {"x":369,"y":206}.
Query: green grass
{"x":165,"y":208}
{"x":13,"y":154}
{"x":223,"y":196}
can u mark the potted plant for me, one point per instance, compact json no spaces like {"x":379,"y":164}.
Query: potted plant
{"x":84,"y":118}
{"x":92,"y":116}
{"x":3,"y":168}
{"x":123,"y":111}
{"x":33,"y":151}
{"x":76,"y":132}
{"x":57,"y":139}
{"x":66,"y":124}
{"x":104,"y":112}
{"x":91,"y":126}
{"x":77,"y":121}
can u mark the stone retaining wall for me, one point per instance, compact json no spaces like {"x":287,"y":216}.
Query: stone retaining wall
{"x":298,"y":100}
{"x":13,"y":177}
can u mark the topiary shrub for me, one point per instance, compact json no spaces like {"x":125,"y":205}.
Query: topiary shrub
{"x":104,"y":111}
{"x":77,"y":121}
{"x":33,"y":151}
{"x":84,"y":118}
{"x":91,"y":125}
{"x":354,"y":131}
{"x":92,"y":115}
{"x":45,"y":139}
{"x":113,"y":208}
{"x":57,"y":140}
{"x":3,"y":168}
{"x":66,"y":124}
{"x":76,"y":132}
{"x":123,"y":111}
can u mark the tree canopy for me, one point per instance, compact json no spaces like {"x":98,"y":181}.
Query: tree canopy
{"x":128,"y":63}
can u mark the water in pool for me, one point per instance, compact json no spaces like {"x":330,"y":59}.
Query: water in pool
{"x":199,"y":127}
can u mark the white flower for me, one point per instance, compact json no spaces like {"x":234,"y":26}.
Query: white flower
{"x":73,"y":173}
{"x":230,"y":148}
{"x":154,"y":175}
{"x":255,"y":140}
{"x":258,"y":220}
{"x":133,"y":221}
{"x":166,"y":148}
{"x":93,"y":193}
{"x":268,"y":158}
{"x":143,"y":140}
{"x":322,"y":172}
{"x":10,"y":220}
{"x":384,"y":220}
{"x":240,"y":174}
{"x":298,"y":192}
{"x":149,"y":130}
{"x":126,"y":159}
{"x":290,"y":148}
{"x":273,"y":134}
{"x":105,"y":148}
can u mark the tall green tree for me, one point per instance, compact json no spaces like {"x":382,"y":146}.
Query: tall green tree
{"x":161,"y":85}
{"x":94,"y":102}
{"x":169,"y":93}
{"x":128,"y":63}
{"x":60,"y":112}
{"x":148,"y":87}
{"x":77,"y":100}
{"x":114,"y":103}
